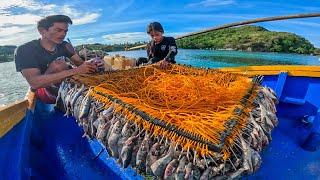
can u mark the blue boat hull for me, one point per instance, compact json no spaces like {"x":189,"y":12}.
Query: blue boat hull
{"x":48,"y":145}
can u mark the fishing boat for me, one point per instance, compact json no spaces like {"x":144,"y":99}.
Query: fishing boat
{"x":38,"y":141}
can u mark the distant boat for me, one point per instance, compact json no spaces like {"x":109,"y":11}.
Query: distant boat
{"x":46,"y":145}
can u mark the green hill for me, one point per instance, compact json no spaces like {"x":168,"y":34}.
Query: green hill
{"x":249,"y":38}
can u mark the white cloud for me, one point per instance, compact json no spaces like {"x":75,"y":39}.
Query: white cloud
{"x":129,"y":37}
{"x":33,"y":15}
{"x":22,"y":19}
{"x":11,"y":31}
{"x":28,"y":4}
{"x":86,"y":18}
{"x":211,"y":3}
{"x":90,"y":40}
{"x":18,"y":35}
{"x":49,"y":7}
{"x":17,"y":28}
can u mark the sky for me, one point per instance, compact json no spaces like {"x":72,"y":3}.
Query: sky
{"x":119,"y":21}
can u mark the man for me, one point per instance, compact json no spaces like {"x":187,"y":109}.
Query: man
{"x":160,"y":49}
{"x":42,"y":61}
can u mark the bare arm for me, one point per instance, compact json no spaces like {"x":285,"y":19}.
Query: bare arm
{"x":37,"y":80}
{"x":76,"y":59}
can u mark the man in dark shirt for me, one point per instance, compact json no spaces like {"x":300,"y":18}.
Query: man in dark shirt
{"x":160,"y":49}
{"x":42,"y":61}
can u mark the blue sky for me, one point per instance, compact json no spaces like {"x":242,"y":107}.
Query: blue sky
{"x":116,"y":21}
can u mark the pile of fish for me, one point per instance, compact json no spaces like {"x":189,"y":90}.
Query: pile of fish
{"x":157,"y":156}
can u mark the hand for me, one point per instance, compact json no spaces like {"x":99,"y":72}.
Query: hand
{"x":164,"y":64}
{"x":98,"y":62}
{"x":86,"y":67}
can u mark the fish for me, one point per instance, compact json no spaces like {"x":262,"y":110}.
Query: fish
{"x":68,"y":99}
{"x":85,"y":106}
{"x":159,"y":166}
{"x":217,"y":170}
{"x":60,"y":92}
{"x":102,"y":130}
{"x":170,"y":169}
{"x":256,"y":160}
{"x":76,"y":108}
{"x":152,"y":156}
{"x":206,"y":174}
{"x":247,"y":160}
{"x":112,"y":123}
{"x":76,"y":95}
{"x":142,"y":153}
{"x":180,"y":173}
{"x":113,"y":139}
{"x":92,"y":118}
{"x":269,"y":93}
{"x":188,"y":170}
{"x":127,"y":151}
{"x":108,"y":111}
{"x":134,"y":155}
{"x":63,"y":89}
{"x":196,"y":172}
{"x":126,"y":132}
{"x":99,"y":121}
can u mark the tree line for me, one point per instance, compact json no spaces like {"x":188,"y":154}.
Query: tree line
{"x":245,"y":38}
{"x":249,"y":38}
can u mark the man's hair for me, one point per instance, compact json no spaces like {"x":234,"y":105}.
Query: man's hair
{"x":154,"y":26}
{"x":48,"y":21}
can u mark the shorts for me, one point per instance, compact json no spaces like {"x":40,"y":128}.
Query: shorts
{"x":47,"y":95}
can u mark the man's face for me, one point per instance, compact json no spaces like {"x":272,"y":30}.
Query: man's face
{"x":55,"y":33}
{"x":156,"y":36}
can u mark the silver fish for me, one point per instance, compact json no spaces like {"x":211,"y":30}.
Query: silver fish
{"x":152,"y":156}
{"x":102,"y":130}
{"x":188,"y":169}
{"x":76,"y":95}
{"x":76,"y":109}
{"x":159,"y":166}
{"x":170,"y":169}
{"x":247,"y":162}
{"x":60,"y":91}
{"x":180,"y":173}
{"x":142,"y":153}
{"x":256,"y":160}
{"x":86,"y":103}
{"x":206,"y":174}
{"x":127,"y":151}
{"x":113,"y":139}
{"x":196,"y":172}
{"x":67,"y":101}
{"x":108,"y":112}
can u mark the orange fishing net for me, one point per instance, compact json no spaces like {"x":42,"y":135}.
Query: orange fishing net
{"x":200,"y":109}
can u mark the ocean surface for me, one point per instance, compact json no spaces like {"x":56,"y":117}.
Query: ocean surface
{"x":13,"y":86}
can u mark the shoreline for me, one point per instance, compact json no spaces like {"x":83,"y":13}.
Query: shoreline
{"x":228,"y":49}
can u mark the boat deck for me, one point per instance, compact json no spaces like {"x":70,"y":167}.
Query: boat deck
{"x":57,"y":139}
